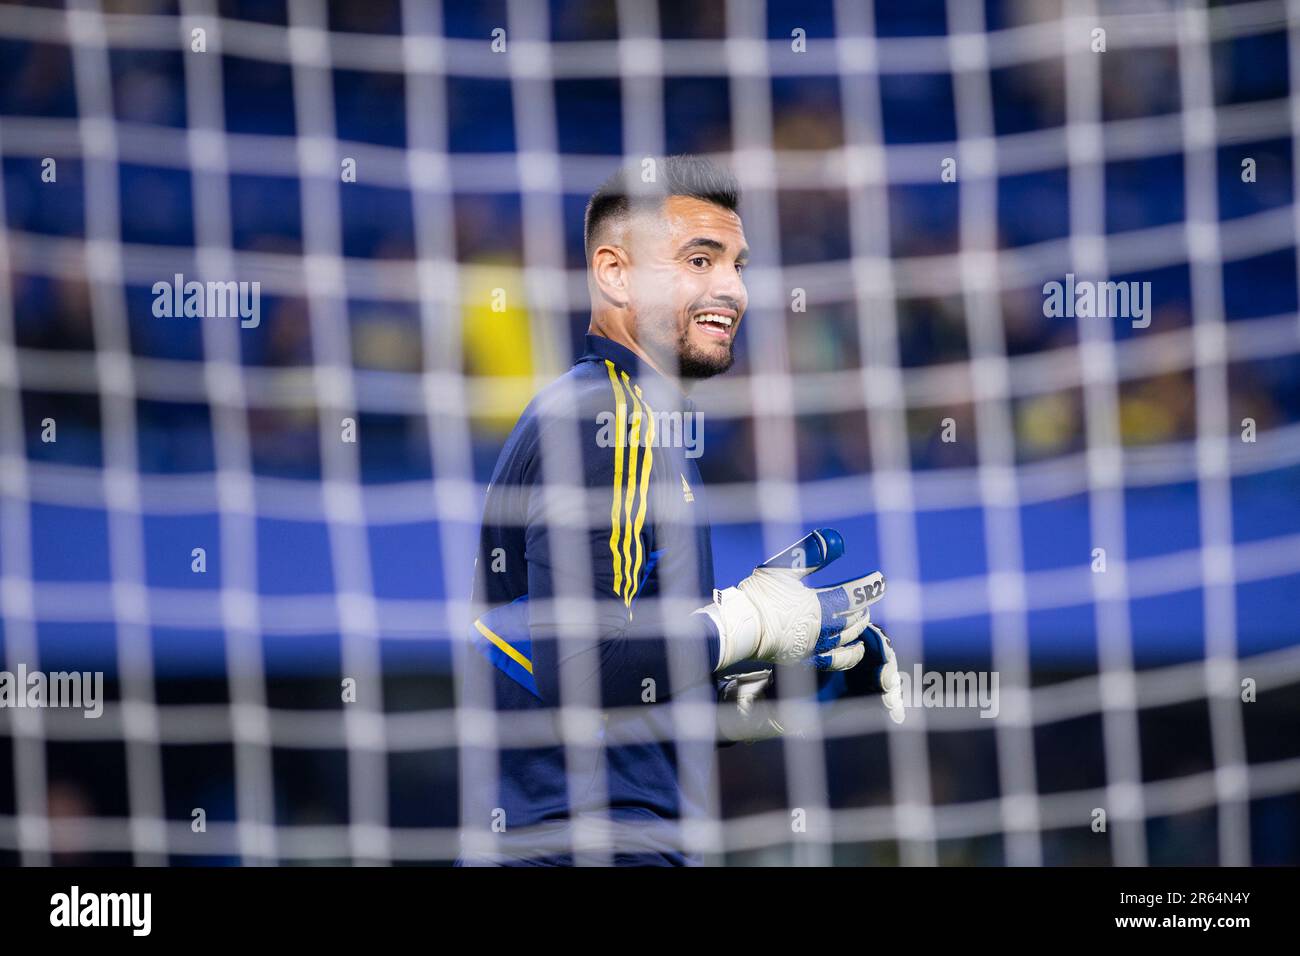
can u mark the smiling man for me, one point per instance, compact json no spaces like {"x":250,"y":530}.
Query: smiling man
{"x":665,"y":271}
{"x":594,"y":577}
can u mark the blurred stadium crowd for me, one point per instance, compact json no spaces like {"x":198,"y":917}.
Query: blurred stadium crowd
{"x":157,"y":210}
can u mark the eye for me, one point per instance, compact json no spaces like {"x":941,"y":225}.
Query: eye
{"x":740,"y":266}
{"x":703,"y":261}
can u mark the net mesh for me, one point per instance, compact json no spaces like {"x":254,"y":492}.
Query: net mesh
{"x":1078,"y":505}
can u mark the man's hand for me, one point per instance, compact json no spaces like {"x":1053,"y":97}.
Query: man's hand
{"x":773,"y":616}
{"x":879,"y":657}
{"x":746,"y":714}
{"x":743,"y":713}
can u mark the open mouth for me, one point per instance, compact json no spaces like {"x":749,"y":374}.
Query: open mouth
{"x":716,"y":324}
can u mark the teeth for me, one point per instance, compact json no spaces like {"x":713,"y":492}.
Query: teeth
{"x":723,"y":320}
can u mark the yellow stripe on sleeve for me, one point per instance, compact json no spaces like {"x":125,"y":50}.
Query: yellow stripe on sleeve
{"x":635,"y":441}
{"x":620,"y":440}
{"x":646,"y":464}
{"x":504,"y":646}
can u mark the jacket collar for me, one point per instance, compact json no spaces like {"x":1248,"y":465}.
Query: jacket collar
{"x":600,"y":348}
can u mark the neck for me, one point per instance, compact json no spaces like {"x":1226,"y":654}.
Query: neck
{"x":623,"y":337}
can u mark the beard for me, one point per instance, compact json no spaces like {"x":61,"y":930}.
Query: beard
{"x":694,"y":363}
{"x":673,"y":350}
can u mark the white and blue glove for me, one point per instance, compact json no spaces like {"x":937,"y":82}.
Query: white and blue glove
{"x":744,"y":714}
{"x":880,"y":658}
{"x":773,"y":616}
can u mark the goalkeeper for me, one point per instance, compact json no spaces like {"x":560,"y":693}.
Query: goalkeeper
{"x":594,"y":574}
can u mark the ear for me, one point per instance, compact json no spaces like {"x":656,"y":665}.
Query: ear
{"x":610,"y":270}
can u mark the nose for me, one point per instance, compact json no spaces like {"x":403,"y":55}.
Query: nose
{"x":727,"y":286}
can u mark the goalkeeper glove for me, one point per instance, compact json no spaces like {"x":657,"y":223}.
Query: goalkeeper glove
{"x":773,"y":616}
{"x":744,"y":714}
{"x":879,"y":656}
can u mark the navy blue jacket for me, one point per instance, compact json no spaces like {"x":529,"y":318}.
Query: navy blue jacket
{"x":596,"y":497}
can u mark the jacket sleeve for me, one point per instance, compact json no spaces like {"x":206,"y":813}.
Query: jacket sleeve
{"x":589,"y":544}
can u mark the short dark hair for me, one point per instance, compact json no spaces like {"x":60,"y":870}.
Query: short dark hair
{"x":680,"y":175}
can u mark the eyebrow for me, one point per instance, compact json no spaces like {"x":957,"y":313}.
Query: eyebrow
{"x":711,"y":244}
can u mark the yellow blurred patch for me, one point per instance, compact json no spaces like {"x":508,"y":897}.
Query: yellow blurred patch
{"x":497,"y":343}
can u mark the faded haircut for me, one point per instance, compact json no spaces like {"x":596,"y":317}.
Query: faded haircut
{"x":680,"y":175}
